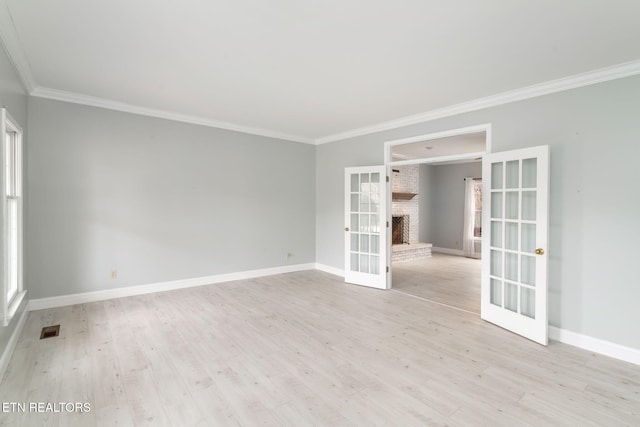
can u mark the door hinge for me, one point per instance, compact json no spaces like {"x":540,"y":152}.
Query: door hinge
{"x":387,"y":269}
{"x":387,"y":224}
{"x":387,"y":178}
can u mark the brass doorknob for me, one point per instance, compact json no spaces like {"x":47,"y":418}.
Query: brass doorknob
{"x":540,"y":251}
{"x":346,"y":229}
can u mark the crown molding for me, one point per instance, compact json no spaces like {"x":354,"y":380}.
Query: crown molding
{"x":566,"y":83}
{"x":93,"y":101}
{"x":11,"y":42}
{"x":619,"y":71}
{"x":559,"y":85}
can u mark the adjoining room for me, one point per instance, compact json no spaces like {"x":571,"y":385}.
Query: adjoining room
{"x":437,"y":219}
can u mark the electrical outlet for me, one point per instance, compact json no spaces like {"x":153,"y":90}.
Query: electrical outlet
{"x":114,"y":274}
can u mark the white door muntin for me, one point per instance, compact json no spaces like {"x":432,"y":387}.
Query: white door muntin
{"x":514,"y":248}
{"x":365,"y":226}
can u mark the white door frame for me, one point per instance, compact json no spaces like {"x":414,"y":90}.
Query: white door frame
{"x":377,"y":277}
{"x":533,"y":326}
{"x":388,"y":161}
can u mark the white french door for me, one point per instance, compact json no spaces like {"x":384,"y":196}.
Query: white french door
{"x":514,"y":247}
{"x":365,"y":226}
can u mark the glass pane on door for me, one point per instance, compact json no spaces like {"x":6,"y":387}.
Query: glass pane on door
{"x":528,"y":238}
{"x":528,"y":270}
{"x":529,"y":205}
{"x":529,"y":173}
{"x":511,"y":239}
{"x":496,"y":175}
{"x":512,"y":262}
{"x":511,"y":296}
{"x":513,"y":175}
{"x":496,"y":292}
{"x":528,"y":303}
{"x":496,"y":234}
{"x":355,"y":182}
{"x":511,"y":205}
{"x":374,"y":244}
{"x":496,"y":205}
{"x":365,"y":189}
{"x":355,"y":264}
{"x":515,"y":263}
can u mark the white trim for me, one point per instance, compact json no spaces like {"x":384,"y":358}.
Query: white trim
{"x":484,"y":127}
{"x":331,"y":270}
{"x":17,"y":57}
{"x":440,"y":159}
{"x":442,"y":134}
{"x":11,"y":42}
{"x":93,"y":101}
{"x":377,"y":280}
{"x":11,"y":345}
{"x":535,"y":327}
{"x":81,"y":298}
{"x":447,"y":251}
{"x":613,"y":72}
{"x":9,"y":308}
{"x":553,"y":86}
{"x":584,"y":342}
{"x":14,"y":305}
{"x":607,"y":348}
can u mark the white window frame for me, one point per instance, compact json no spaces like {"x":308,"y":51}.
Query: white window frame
{"x":10,"y":305}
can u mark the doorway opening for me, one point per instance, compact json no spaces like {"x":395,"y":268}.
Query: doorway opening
{"x":436,"y":183}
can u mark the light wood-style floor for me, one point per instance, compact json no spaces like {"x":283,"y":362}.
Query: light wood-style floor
{"x":305,"y":349}
{"x":447,"y":279}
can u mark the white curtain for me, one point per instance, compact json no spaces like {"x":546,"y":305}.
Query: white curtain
{"x":469,"y":218}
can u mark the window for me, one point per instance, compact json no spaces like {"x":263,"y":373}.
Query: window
{"x":13,"y":292}
{"x":477,"y":223}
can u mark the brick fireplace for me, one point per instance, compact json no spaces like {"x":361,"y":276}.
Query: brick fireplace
{"x":400,"y":229}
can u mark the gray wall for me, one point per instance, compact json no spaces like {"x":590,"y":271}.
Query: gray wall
{"x":14,"y":98}
{"x":445,"y":191}
{"x":158,"y":200}
{"x":594,"y":136}
{"x":331,"y":159}
{"x":425,"y":204}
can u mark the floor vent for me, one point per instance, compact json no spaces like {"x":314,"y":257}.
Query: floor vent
{"x":50,"y":331}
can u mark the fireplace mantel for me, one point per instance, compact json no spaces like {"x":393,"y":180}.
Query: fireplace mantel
{"x":403,"y":196}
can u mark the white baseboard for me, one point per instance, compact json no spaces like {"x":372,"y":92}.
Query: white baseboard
{"x":11,"y":345}
{"x":584,"y":342}
{"x":447,"y":251}
{"x":616,"y":351}
{"x":330,"y":270}
{"x":81,"y":298}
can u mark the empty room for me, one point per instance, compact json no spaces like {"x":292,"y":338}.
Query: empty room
{"x":319,"y":213}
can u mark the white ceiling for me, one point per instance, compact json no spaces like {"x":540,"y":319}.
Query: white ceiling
{"x":440,"y":147}
{"x":307,"y":70}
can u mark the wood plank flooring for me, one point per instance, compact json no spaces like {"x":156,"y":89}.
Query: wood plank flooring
{"x":304,"y":349}
{"x":447,"y":279}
